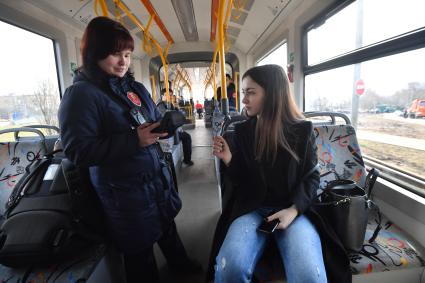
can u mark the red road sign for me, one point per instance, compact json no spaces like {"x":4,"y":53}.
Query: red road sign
{"x":360,"y":87}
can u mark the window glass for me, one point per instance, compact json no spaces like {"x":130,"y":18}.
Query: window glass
{"x":362,"y":23}
{"x":29,"y":92}
{"x":277,"y":56}
{"x":390,"y":113}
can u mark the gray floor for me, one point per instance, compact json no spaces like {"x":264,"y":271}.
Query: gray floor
{"x":198,"y":190}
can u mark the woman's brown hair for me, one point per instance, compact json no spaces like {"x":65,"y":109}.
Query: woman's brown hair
{"x":101,"y":38}
{"x":278,"y":112}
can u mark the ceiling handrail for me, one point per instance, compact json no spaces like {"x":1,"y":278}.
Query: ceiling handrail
{"x":238,"y":7}
{"x":157,"y":18}
{"x":158,"y":47}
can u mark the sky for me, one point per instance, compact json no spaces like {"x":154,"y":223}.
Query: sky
{"x":23,"y":48}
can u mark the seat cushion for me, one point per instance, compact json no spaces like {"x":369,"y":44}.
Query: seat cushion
{"x":393,"y":249}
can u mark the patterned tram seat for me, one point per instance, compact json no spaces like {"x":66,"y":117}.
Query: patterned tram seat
{"x":15,"y":157}
{"x":340,"y":158}
{"x":99,"y":263}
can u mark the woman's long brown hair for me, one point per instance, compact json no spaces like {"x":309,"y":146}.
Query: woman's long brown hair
{"x":278,"y":112}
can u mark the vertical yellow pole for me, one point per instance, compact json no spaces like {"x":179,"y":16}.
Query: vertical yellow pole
{"x":164,"y":63}
{"x":104,"y":8}
{"x":153,"y":88}
{"x":214,"y":75}
{"x":237,"y":90}
{"x":221,"y":49}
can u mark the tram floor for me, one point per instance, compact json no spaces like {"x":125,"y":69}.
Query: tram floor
{"x":201,"y":208}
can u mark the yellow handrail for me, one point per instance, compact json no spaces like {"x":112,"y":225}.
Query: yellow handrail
{"x":153,"y":87}
{"x":104,"y":8}
{"x":236,"y":80}
{"x":161,"y":53}
{"x":185,"y":77}
{"x":238,"y":7}
{"x":221,"y":48}
{"x":226,"y":20}
{"x":214,"y":74}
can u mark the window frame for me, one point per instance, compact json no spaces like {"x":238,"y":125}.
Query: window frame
{"x":398,"y":44}
{"x":277,"y":46}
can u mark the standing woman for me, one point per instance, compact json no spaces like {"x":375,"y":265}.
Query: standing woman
{"x":274,"y":164}
{"x":126,"y":168}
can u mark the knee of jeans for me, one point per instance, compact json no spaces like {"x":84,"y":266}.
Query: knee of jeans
{"x":314,"y":274}
{"x":232,"y":266}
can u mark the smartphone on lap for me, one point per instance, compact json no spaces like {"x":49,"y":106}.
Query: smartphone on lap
{"x":268,"y":227}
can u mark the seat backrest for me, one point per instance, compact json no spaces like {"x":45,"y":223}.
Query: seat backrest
{"x":229,"y":124}
{"x":14,"y":158}
{"x":339,"y":154}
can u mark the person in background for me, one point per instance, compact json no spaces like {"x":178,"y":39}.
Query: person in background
{"x":185,"y":137}
{"x":231,"y":92}
{"x":199,"y":109}
{"x":127,"y":171}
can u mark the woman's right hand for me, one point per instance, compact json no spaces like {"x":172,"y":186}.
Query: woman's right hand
{"x":147,"y":138}
{"x":221,"y":149}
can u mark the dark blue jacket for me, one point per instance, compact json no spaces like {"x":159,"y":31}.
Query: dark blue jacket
{"x":132,"y":182}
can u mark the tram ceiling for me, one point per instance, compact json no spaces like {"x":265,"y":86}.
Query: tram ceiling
{"x":184,"y":20}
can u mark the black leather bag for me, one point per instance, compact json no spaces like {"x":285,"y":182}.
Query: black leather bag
{"x":347,"y":206}
{"x":52,"y":214}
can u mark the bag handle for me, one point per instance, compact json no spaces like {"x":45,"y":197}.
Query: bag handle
{"x":370,"y":181}
{"x":378,"y":226}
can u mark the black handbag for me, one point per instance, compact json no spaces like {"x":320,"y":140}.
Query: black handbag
{"x":347,"y":206}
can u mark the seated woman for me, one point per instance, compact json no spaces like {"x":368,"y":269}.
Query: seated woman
{"x":274,"y":164}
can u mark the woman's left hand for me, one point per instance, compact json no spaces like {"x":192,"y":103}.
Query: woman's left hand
{"x":285,"y":216}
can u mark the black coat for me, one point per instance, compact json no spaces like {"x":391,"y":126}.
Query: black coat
{"x":245,"y":190}
{"x":133,"y":183}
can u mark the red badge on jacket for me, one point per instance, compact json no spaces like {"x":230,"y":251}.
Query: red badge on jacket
{"x":134,"y":98}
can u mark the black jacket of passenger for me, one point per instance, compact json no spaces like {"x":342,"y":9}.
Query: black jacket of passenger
{"x":246,"y":190}
{"x":132,"y":182}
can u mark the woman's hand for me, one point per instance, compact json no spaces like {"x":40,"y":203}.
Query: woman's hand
{"x":221,"y":149}
{"x":147,"y":138}
{"x":285,"y":216}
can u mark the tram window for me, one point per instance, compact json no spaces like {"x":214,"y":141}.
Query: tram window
{"x":365,"y":20}
{"x":277,"y":56}
{"x":388,"y":128}
{"x":29,"y":92}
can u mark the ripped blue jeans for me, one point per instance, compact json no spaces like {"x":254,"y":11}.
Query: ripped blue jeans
{"x":299,"y":246}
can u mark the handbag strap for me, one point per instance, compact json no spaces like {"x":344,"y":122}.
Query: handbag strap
{"x":373,"y":205}
{"x":370,"y":181}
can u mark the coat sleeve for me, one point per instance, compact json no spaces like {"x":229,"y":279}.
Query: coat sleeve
{"x":84,"y":142}
{"x":306,"y":190}
{"x":235,"y":168}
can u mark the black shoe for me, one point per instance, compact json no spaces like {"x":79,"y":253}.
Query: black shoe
{"x":188,"y":163}
{"x":186,"y":267}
